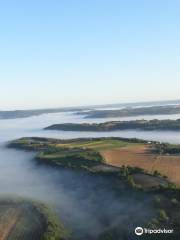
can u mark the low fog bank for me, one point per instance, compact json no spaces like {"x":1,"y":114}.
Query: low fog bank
{"x":33,"y":126}
{"x":85,"y":203}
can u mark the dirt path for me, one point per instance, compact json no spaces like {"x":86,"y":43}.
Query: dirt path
{"x":137,"y":156}
{"x":8,"y":221}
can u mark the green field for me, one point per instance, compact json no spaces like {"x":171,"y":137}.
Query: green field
{"x":80,"y":153}
{"x":94,"y":143}
{"x":97,"y":145}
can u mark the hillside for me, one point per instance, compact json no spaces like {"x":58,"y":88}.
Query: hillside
{"x":147,"y":125}
{"x":128,"y":112}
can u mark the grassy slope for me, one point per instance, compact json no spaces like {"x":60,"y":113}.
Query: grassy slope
{"x":17,"y":214}
{"x":98,"y":145}
{"x":72,"y":158}
{"x":54,"y":229}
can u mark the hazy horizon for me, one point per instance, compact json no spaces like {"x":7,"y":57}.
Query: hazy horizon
{"x":79,"y":53}
{"x":114,"y":104}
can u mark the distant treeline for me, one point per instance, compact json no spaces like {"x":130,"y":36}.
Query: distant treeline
{"x":29,"y":113}
{"x":128,"y":112}
{"x":119,"y":125}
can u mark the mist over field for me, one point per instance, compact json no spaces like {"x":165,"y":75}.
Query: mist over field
{"x":85,"y":203}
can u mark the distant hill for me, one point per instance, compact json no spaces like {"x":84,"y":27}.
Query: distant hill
{"x":129,"y":109}
{"x":29,"y":113}
{"x":130,"y":112}
{"x":119,"y":125}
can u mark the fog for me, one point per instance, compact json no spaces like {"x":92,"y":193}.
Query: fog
{"x":86,"y":204}
{"x":33,"y":126}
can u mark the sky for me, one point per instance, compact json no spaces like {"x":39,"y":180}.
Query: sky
{"x":74,"y":52}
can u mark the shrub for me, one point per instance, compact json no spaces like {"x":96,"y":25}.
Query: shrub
{"x":162,"y":215}
{"x":157,"y":199}
{"x":130,"y":181}
{"x":156,"y":173}
{"x":154,"y":223}
{"x":174,"y":201}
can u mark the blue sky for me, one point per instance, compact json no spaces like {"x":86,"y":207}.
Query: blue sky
{"x":76,"y":52}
